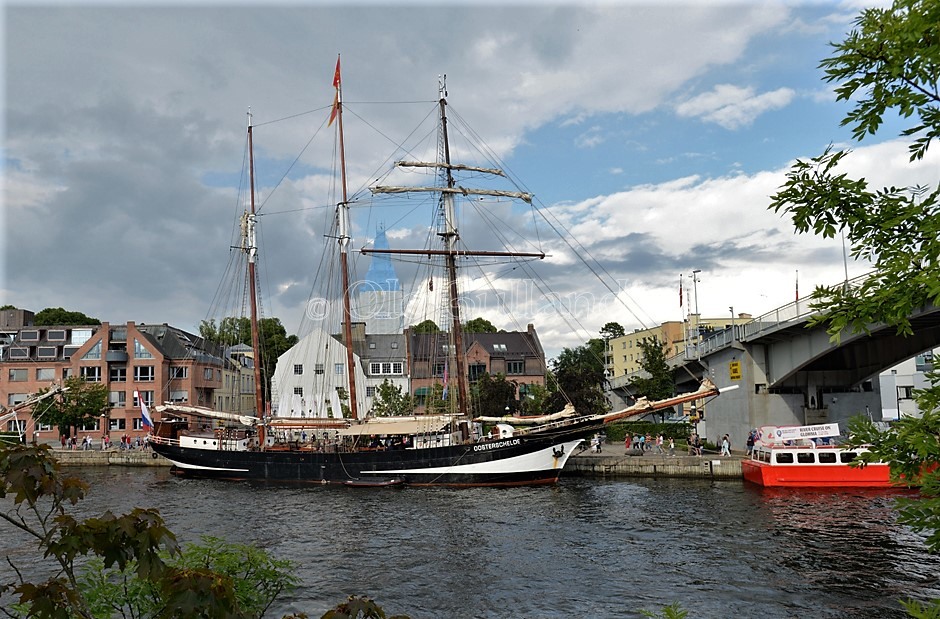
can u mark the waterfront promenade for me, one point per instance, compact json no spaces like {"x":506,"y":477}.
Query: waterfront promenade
{"x":612,"y":462}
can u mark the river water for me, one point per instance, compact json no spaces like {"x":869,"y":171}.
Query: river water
{"x":582,"y":548}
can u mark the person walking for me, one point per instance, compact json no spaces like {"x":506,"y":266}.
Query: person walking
{"x":725,"y":445}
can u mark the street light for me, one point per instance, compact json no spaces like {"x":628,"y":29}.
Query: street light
{"x":698,"y":328}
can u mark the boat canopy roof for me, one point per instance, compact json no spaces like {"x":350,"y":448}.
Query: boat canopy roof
{"x":182,"y":409}
{"x":398,"y":426}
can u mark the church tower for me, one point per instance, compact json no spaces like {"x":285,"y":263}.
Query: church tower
{"x":381,"y":302}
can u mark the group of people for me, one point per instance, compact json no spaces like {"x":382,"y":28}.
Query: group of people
{"x":646,"y":442}
{"x":88,"y":443}
{"x":697,"y":445}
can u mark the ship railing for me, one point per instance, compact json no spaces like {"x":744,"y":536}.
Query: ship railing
{"x":162,"y":440}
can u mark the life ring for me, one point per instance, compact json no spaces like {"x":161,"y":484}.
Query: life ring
{"x":154,"y":455}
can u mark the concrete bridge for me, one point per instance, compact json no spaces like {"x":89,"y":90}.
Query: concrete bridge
{"x":789,"y":373}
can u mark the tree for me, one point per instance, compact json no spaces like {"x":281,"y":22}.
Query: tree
{"x":58,"y":317}
{"x":479,"y":325}
{"x":129,"y":565}
{"x":492,"y":395}
{"x":272,"y":336}
{"x":426,"y":326}
{"x":612,"y":330}
{"x":890,"y":62}
{"x":390,"y":401}
{"x":660,"y":384}
{"x":535,"y":401}
{"x":81,"y":403}
{"x":578,"y":376}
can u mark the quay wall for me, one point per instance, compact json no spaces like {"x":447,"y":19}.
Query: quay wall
{"x":613,"y":465}
{"x":110,"y":457}
{"x":585,"y":464}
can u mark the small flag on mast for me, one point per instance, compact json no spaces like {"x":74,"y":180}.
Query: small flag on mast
{"x":336,"y":83}
{"x":144,"y":412}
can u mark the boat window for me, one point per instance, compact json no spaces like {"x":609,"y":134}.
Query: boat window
{"x":847,"y":456}
{"x":827,"y":458}
{"x":784,"y":458}
{"x":805,"y":458}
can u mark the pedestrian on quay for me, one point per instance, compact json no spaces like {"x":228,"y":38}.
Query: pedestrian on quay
{"x":627,"y":442}
{"x":725,"y":445}
{"x":672,"y":446}
{"x":62,"y":440}
{"x":750,"y":442}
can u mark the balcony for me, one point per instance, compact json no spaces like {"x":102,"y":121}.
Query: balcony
{"x":116,"y":356}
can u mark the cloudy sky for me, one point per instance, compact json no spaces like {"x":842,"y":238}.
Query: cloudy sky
{"x":654,"y":132}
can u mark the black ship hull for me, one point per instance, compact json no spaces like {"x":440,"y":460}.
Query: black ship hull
{"x":521,"y":460}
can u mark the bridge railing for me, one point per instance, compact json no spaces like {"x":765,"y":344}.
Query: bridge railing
{"x":791,"y":313}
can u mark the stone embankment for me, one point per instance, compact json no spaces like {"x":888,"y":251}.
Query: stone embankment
{"x":91,"y":457}
{"x":613,"y":462}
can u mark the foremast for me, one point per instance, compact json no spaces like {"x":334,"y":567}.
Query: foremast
{"x":343,"y":216}
{"x":250,"y":247}
{"x":450,"y":235}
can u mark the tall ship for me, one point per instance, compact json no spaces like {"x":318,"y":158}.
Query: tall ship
{"x":335,"y":441}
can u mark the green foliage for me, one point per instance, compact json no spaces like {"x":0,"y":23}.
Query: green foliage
{"x":426,"y":326}
{"x":578,"y":376}
{"x":922,"y":610}
{"x":59,"y":317}
{"x":890,"y":62}
{"x":660,"y":384}
{"x":673,"y":611}
{"x":82,"y":403}
{"x":612,"y":330}
{"x":390,"y":400}
{"x":492,"y":395}
{"x":535,"y":401}
{"x":479,"y":325}
{"x":358,"y":608}
{"x":434,"y":402}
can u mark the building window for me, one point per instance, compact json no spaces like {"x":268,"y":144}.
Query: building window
{"x":370,"y":392}
{"x":318,"y":369}
{"x":140,"y":352}
{"x":146,"y":396}
{"x":94,"y":352}
{"x":15,"y":398}
{"x":17,"y":352}
{"x":515,"y":367}
{"x":394,"y":344}
{"x":45,"y":374}
{"x":207,"y":373}
{"x":80,"y":336}
{"x":499,"y":347}
{"x":438,"y":369}
{"x":117,"y":424}
{"x":29,"y":336}
{"x":298,"y":369}
{"x":118,"y":374}
{"x":138,"y":423}
{"x":398,"y":368}
{"x":55,"y":335}
{"x":19,"y":375}
{"x":179,"y":372}
{"x":117,"y":399}
{"x":90,"y":373}
{"x":299,"y":391}
{"x":47,"y":352}
{"x":144,"y":373}
{"x":371,"y":345}
{"x":179,"y":396}
{"x":475,"y":371}
{"x":337,"y":368}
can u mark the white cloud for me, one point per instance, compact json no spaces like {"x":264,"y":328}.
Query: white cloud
{"x":733,"y":107}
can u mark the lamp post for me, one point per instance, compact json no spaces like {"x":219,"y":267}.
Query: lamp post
{"x":698,"y":329}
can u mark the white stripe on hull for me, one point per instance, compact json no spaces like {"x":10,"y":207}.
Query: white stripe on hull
{"x":541,"y":460}
{"x":183,"y":465}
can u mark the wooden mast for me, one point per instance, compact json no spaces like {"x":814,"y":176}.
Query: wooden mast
{"x":251,"y":249}
{"x":450,"y":237}
{"x":343,"y":214}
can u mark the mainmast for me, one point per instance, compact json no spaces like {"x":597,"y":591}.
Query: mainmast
{"x":451,"y":237}
{"x":249,"y":246}
{"x":449,"y":233}
{"x":343,"y":215}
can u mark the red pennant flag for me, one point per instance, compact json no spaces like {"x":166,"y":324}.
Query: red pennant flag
{"x":336,"y":83}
